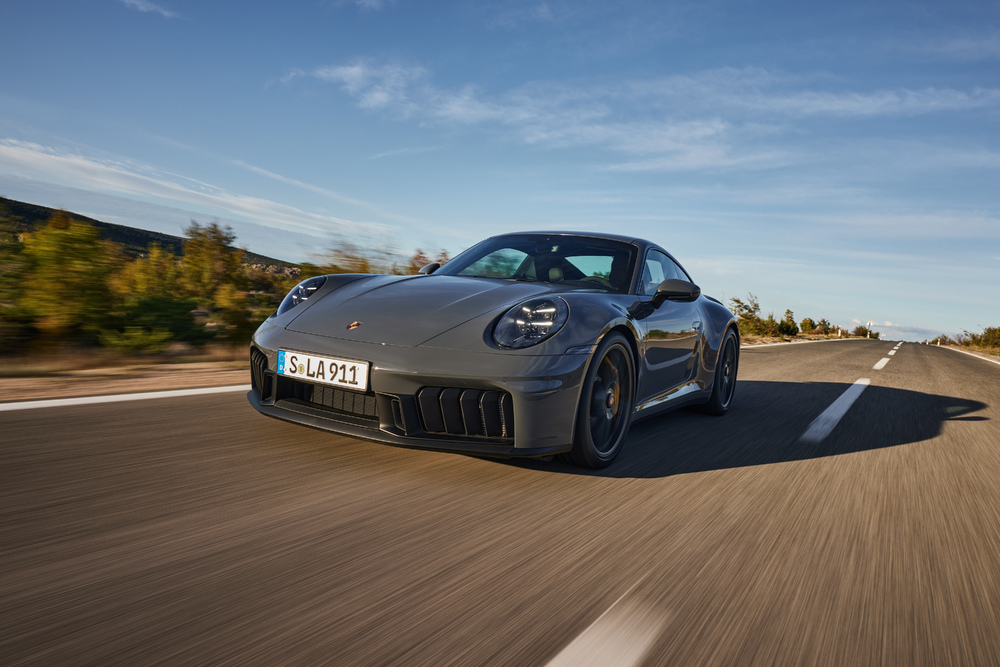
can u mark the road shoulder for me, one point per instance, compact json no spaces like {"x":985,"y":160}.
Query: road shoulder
{"x":123,"y":380}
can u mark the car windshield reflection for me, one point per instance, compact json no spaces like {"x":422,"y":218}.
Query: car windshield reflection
{"x":580,"y":262}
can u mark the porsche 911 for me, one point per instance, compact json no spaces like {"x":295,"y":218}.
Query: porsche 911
{"x":525,"y":345}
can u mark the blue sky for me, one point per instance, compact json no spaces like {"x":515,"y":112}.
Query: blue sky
{"x":838,"y":159}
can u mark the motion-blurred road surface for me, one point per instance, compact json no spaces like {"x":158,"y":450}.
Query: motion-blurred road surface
{"x":194,"y":531}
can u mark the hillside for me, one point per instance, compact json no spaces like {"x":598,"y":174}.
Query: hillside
{"x":25,"y":217}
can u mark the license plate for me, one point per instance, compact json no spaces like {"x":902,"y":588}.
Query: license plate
{"x":324,"y":370}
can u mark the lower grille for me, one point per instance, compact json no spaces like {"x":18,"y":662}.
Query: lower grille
{"x":259,"y":378}
{"x":350,"y":403}
{"x":475,"y":412}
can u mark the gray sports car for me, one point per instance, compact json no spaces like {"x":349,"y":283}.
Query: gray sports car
{"x":527,"y":344}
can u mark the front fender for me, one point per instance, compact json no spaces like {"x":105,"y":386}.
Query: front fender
{"x":715,"y":321}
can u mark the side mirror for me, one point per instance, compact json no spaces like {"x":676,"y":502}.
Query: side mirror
{"x":675,"y":290}
{"x":429,"y":269}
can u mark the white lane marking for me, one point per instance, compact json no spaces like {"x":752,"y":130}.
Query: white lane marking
{"x":892,"y":352}
{"x":621,"y":636}
{"x":826,"y":422}
{"x":880,"y":365}
{"x":116,"y":398}
{"x":955,"y":349}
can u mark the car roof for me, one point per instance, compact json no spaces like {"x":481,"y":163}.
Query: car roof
{"x":592,"y":235}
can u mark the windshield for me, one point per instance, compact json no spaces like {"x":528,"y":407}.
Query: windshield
{"x":572,"y":260}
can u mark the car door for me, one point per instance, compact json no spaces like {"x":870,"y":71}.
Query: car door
{"x":671,"y":331}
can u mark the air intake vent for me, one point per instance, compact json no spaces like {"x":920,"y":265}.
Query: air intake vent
{"x":350,"y":403}
{"x":475,"y":412}
{"x":259,"y":378}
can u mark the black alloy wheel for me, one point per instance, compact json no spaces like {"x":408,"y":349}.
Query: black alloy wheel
{"x":724,"y":385}
{"x":605,"y":404}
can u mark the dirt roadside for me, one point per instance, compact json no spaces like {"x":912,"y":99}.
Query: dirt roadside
{"x":124,"y":380}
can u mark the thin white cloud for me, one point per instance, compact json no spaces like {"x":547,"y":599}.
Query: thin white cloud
{"x":700,"y":157}
{"x":375,"y":87}
{"x":404,"y":151}
{"x":912,"y":226}
{"x":367,"y":5}
{"x":749,"y":91}
{"x":151,"y":7}
{"x":291,"y":75}
{"x":968,"y":47}
{"x":121,"y":178}
{"x":321,"y":191}
{"x":900,"y":102}
{"x":711,"y":119}
{"x":754,"y":90}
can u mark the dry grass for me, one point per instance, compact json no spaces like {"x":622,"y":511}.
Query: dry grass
{"x":987,"y":352}
{"x":69,"y":360}
{"x":751,"y":339}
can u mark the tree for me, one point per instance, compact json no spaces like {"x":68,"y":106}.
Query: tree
{"x":862,"y":331}
{"x":769,"y":326}
{"x":823,"y":327}
{"x":807,"y":325}
{"x":747,"y":313}
{"x":66,"y":281}
{"x":15,"y":320}
{"x":159,"y":274}
{"x":154,"y":312}
{"x":210,"y":262}
{"x":787,"y":326}
{"x":347,"y":257}
{"x":234,"y":313}
{"x":750,"y":321}
{"x":13,"y":263}
{"x":989,"y":338}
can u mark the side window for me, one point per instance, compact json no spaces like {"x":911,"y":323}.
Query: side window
{"x":679,"y":273}
{"x":657,"y":268}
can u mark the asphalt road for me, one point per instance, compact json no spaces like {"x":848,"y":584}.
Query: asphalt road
{"x":194,"y":531}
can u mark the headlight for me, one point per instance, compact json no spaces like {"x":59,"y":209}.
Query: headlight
{"x":300,"y":293}
{"x":531,"y":322}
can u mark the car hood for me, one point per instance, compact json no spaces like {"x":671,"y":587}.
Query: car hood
{"x":409,"y":311}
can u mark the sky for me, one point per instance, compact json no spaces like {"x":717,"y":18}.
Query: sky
{"x":841,"y":160}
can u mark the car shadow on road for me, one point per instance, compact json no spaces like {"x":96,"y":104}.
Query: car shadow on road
{"x":765,"y":426}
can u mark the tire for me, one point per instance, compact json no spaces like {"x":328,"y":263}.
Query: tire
{"x":724,"y":384}
{"x":602,"y":418}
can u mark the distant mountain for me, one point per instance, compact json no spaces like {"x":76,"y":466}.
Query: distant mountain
{"x":29,"y":217}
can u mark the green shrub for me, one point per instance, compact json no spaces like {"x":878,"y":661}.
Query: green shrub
{"x":787,"y":326}
{"x":136,"y":339}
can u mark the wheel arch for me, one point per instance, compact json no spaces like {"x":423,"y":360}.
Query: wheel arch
{"x":633,"y":343}
{"x":625,"y":328}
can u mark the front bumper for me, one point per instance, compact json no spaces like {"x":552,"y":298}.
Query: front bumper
{"x":539,"y":394}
